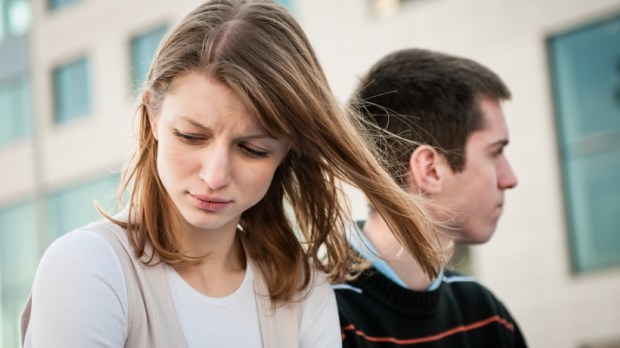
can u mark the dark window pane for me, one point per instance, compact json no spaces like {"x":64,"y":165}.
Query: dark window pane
{"x":585,"y":67}
{"x":73,"y":207}
{"x":143,"y":48}
{"x":15,"y":109}
{"x":72,"y":90}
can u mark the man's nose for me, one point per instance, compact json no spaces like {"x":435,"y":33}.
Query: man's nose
{"x":507,"y":178}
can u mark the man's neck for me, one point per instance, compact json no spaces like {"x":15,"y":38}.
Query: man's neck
{"x":397,"y":257}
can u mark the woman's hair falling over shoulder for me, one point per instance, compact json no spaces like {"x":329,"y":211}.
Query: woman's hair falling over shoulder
{"x":258,"y":50}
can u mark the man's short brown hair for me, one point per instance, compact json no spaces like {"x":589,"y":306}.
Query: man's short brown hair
{"x":425,"y":97}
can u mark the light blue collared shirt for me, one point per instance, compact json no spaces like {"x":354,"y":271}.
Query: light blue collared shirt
{"x":365,"y":247}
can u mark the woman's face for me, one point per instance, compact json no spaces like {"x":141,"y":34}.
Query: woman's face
{"x":213,"y":158}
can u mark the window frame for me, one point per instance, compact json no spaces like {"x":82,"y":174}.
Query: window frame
{"x":573,"y":151}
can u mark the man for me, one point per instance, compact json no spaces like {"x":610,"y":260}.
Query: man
{"x":450,"y":135}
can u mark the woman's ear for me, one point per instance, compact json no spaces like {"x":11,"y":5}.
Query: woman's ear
{"x":426,"y":169}
{"x":146,"y":101}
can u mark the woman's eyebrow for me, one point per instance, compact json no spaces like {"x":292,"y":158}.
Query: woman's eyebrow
{"x":257,"y":136}
{"x":194,"y":123}
{"x":201,"y":127}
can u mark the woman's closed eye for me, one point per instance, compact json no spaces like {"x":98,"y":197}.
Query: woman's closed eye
{"x":188,"y":138}
{"x":196,"y":139}
{"x":252,"y":152}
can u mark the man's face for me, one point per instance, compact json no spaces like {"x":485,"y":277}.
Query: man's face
{"x":474,"y":198}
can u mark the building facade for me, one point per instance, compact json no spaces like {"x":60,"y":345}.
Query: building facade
{"x":69,"y":71}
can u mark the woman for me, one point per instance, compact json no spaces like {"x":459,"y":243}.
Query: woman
{"x":236,"y":117}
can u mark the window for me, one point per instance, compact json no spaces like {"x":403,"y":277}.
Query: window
{"x":15,"y":18}
{"x":18,"y":15}
{"x":387,"y":8}
{"x":58,"y":4}
{"x":15,"y":109}
{"x":585,"y":71}
{"x":2,"y":19}
{"x":19,"y":254}
{"x":71,"y":90}
{"x":143,"y":48}
{"x":73,"y":207}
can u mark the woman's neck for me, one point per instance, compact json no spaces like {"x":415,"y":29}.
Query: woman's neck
{"x":220,"y":273}
{"x":223,"y":260}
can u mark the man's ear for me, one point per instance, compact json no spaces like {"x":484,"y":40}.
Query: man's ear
{"x":146,"y":101}
{"x":426,"y":169}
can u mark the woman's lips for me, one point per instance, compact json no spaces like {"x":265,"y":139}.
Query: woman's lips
{"x":213,"y":204}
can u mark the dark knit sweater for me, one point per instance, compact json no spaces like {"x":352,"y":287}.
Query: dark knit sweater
{"x":376,"y":312}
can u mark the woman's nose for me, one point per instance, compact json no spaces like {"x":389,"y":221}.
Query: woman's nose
{"x":216,"y":167}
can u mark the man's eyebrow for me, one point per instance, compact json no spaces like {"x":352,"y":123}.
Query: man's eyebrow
{"x":500,"y":143}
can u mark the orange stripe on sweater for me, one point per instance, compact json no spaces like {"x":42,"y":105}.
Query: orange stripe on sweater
{"x":437,"y":337}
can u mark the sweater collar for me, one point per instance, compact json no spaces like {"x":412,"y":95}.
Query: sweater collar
{"x":382,"y":289}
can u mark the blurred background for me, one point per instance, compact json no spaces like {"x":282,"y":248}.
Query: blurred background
{"x":69,"y":70}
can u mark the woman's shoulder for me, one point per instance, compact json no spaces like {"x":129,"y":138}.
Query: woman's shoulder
{"x":319,"y":290}
{"x":82,"y":256}
{"x":85,"y":245}
{"x":319,"y":318}
{"x":319,"y":280}
{"x":79,"y":278}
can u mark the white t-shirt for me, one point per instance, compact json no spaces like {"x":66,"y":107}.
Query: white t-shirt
{"x":214,"y":322}
{"x":79,"y":299}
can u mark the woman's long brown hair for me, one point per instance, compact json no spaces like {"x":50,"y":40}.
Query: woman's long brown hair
{"x":260,"y":52}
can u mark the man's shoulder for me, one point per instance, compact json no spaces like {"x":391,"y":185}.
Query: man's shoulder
{"x":373,"y":310}
{"x":466,"y":284}
{"x":355,"y":289}
{"x":453,"y":279}
{"x":467,"y":292}
{"x":366,"y":290}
